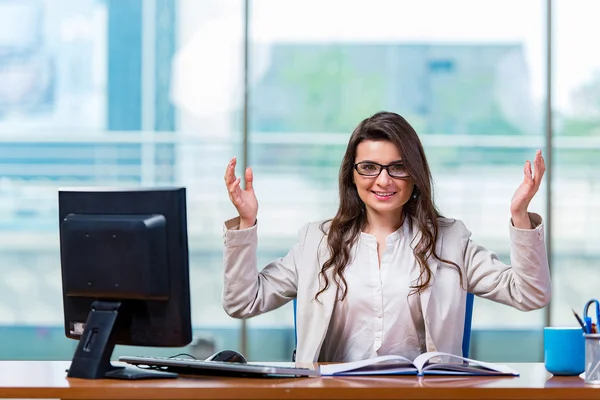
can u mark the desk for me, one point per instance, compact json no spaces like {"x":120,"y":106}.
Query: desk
{"x":47,"y":379}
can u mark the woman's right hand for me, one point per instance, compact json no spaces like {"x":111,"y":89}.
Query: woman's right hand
{"x":244,"y":200}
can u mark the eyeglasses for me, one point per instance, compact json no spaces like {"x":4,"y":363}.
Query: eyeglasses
{"x":373,"y":169}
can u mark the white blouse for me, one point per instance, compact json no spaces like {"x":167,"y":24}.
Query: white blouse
{"x":377,"y":317}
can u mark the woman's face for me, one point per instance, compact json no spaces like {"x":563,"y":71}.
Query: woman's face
{"x":382,"y":194}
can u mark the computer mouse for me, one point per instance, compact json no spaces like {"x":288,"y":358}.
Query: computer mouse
{"x":227,"y":356}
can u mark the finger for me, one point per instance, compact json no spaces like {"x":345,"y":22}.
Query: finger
{"x":235,"y":186}
{"x":542,"y":163}
{"x":235,"y":192}
{"x":249,"y":178}
{"x":540,"y":168}
{"x":230,"y":172}
{"x":527,"y":172}
{"x":226,"y":176}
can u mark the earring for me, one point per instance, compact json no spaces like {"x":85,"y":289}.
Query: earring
{"x":414,"y":196}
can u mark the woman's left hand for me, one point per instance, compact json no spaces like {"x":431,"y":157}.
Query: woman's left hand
{"x":526,"y":191}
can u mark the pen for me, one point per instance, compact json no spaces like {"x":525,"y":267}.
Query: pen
{"x":580,"y":321}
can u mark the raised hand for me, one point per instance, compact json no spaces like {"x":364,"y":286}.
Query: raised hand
{"x":525,"y":192}
{"x":244,"y":200}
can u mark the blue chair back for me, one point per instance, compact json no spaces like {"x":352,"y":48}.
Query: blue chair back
{"x":466,"y":344}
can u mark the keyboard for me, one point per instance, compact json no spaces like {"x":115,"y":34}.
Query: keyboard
{"x":190,"y":366}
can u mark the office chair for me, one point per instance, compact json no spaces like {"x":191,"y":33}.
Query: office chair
{"x":466,"y":344}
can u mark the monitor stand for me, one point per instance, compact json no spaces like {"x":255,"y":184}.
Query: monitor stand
{"x":96,"y":344}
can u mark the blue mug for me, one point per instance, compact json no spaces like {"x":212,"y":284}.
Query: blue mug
{"x":564,"y":350}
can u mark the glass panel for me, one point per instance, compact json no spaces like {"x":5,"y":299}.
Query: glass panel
{"x":115,"y":93}
{"x":107,"y":92}
{"x":576,"y":209}
{"x":207,"y":91}
{"x":471,"y":86}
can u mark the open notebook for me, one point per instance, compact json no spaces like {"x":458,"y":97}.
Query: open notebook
{"x":433,"y":363}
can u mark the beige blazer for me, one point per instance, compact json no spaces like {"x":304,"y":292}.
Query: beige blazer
{"x":524,"y":284}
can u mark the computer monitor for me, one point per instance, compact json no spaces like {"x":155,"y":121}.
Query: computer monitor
{"x":125,"y":274}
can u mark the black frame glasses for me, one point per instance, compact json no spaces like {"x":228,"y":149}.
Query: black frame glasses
{"x":381,"y":167}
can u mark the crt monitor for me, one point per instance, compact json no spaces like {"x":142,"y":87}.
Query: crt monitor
{"x":125,"y":274}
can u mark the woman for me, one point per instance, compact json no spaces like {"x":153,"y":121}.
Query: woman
{"x":388,"y":274}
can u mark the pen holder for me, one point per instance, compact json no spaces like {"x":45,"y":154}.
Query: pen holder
{"x":592,"y":358}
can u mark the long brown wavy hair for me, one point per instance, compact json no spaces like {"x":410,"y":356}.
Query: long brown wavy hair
{"x":351,"y":216}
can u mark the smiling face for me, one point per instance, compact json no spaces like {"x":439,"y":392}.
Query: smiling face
{"x":382,"y":194}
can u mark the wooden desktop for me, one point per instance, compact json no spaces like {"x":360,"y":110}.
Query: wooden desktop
{"x":47,"y":379}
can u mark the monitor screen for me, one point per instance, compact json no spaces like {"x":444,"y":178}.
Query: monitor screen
{"x":125,"y":273}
